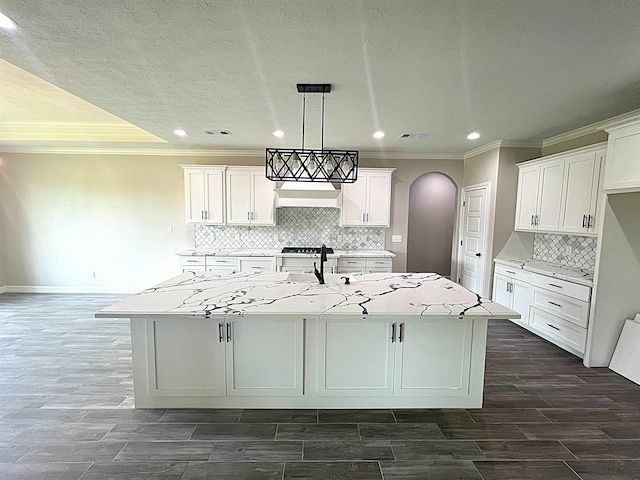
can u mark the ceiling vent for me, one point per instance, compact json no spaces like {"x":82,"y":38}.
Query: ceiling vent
{"x":217,"y":132}
{"x":413,"y":135}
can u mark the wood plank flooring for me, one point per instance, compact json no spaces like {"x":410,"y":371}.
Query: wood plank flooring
{"x":66,"y":412}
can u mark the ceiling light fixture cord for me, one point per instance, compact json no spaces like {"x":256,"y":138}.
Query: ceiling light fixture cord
{"x":304,"y":116}
{"x":322,"y":139}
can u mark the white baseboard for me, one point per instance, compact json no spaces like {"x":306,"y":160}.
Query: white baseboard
{"x":56,"y":289}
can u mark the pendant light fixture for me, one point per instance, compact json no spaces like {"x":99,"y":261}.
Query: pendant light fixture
{"x":307,"y":165}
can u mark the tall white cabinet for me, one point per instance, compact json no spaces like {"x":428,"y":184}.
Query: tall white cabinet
{"x":367,"y":201}
{"x":250,"y":197}
{"x":204,"y":194}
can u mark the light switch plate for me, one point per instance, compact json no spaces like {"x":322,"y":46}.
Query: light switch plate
{"x":396,"y":238}
{"x":568,"y":249}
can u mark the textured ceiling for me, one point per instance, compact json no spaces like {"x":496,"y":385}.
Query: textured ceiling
{"x":510,"y":69}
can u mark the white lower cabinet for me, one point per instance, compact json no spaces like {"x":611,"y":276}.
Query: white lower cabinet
{"x":554,"y":309}
{"x":512,"y":289}
{"x":205,"y":358}
{"x":256,"y":264}
{"x":394,"y":358}
{"x":364,"y":265}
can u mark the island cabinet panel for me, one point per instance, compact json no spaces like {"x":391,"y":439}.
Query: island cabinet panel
{"x":201,"y":372}
{"x":355,"y":357}
{"x":264,"y":357}
{"x":419,"y":343}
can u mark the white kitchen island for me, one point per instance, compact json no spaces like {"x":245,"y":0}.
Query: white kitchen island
{"x":282,"y":340}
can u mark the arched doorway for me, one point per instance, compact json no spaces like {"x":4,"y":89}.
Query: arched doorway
{"x":432,"y":211}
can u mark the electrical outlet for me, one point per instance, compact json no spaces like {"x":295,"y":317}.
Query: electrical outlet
{"x":276,"y":237}
{"x":396,"y":238}
{"x":93,"y":274}
{"x":568,"y":249}
{"x":338,"y":238}
{"x":238,"y":236}
{"x":169,"y":229}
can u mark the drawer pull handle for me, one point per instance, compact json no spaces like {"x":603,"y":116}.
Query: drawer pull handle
{"x":509,"y":271}
{"x":401,"y":332}
{"x":192,"y":261}
{"x":555,"y":304}
{"x":393,"y":333}
{"x":584,"y":221}
{"x":552,"y":326}
{"x":220,"y":333}
{"x":228,"y":332}
{"x":554,"y":285}
{"x":221,"y":261}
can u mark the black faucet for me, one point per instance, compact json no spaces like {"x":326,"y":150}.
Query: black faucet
{"x":323,"y":258}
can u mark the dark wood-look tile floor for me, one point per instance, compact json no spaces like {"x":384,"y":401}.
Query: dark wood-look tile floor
{"x":66,"y":412}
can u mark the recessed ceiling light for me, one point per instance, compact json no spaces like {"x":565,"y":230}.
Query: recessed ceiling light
{"x":180,"y":132}
{"x":6,"y":23}
{"x":279,"y":133}
{"x":473,"y":136}
{"x":378,"y":134}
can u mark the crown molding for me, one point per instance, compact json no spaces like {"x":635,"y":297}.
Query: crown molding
{"x":501,"y":144}
{"x":594,"y":127}
{"x":75,"y":132}
{"x":184,"y":152}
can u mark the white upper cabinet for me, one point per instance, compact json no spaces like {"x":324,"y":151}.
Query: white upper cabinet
{"x":204,"y":194}
{"x":622,"y":168}
{"x":539,"y":195}
{"x":367,"y":201}
{"x":580,"y":192}
{"x":250,"y":198}
{"x":560,"y":193}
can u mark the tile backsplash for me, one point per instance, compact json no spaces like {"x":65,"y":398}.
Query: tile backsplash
{"x":296,"y":227}
{"x":551,"y":247}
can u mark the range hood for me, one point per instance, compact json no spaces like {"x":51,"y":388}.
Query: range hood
{"x":307,"y":194}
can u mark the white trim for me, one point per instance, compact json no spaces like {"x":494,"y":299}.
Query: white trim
{"x":57,"y":289}
{"x":501,"y":144}
{"x":185,"y":152}
{"x":3,"y":290}
{"x":589,"y":148}
{"x":594,"y":127}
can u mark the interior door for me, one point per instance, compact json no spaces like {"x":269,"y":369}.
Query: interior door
{"x":474,"y":220}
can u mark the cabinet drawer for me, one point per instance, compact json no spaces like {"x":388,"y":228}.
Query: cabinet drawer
{"x":191,"y":260}
{"x":568,"y":308}
{"x":213,"y":262}
{"x":378,"y":264}
{"x":512,"y":272}
{"x":352,"y":263}
{"x":254,"y":264}
{"x":581,"y":292}
{"x":193,"y":268}
{"x":556,"y":328}
{"x":221,"y":270}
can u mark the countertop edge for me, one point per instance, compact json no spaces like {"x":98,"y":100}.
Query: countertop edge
{"x":520,"y":264}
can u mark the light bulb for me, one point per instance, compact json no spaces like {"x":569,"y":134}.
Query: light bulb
{"x":278,"y":163}
{"x":329,"y":164}
{"x":312,"y":164}
{"x":294,"y":162}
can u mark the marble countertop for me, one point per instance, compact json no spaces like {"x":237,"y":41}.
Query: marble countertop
{"x":257,"y":252}
{"x":575,"y":275}
{"x":396,"y":295}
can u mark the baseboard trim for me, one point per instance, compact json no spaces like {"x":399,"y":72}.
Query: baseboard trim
{"x":56,"y":289}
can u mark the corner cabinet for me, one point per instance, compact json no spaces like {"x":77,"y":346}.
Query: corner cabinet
{"x":559,"y":193}
{"x":204,"y":194}
{"x":622,"y":169}
{"x":367,"y":201}
{"x":250,"y":197}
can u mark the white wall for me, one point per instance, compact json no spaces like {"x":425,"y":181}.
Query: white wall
{"x":67,"y":216}
{"x":616,"y":294}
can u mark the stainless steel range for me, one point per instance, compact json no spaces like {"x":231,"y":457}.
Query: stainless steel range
{"x":300,"y":260}
{"x":306,"y":250}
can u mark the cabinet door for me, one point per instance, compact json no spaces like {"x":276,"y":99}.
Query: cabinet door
{"x":194,"y":196}
{"x":622,"y":168}
{"x":594,"y":204}
{"x":265,"y":357}
{"x":378,"y":198}
{"x":353,"y":202}
{"x":262,"y":201}
{"x":238,"y":197}
{"x":420,"y":342}
{"x":527,"y":202}
{"x":522,"y":296}
{"x":577,"y":192}
{"x":187,"y":357}
{"x":355,"y":357}
{"x":214,"y":196}
{"x":501,"y":290}
{"x":551,"y":174}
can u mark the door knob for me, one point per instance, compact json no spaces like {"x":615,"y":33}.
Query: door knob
{"x":477,"y":254}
